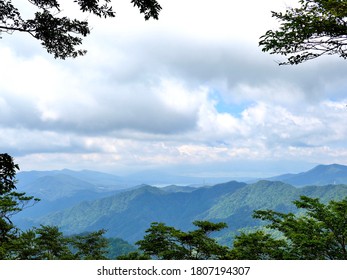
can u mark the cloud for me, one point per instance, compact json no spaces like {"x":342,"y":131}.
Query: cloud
{"x":55,"y":99}
{"x":192,"y":88}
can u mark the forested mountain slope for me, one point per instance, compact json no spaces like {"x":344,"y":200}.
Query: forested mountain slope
{"x":127,"y":215}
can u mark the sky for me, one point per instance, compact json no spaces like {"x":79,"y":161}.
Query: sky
{"x":191,"y":93}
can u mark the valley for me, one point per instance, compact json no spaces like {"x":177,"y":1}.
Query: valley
{"x":87,"y":201}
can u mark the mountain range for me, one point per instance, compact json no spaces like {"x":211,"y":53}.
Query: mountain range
{"x":87,"y":200}
{"x":319,"y":176}
{"x":129,"y":214}
{"x":59,"y":190}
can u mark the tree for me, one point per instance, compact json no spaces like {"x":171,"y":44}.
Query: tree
{"x":319,"y":232}
{"x":45,"y":242}
{"x":118,"y":247}
{"x":52,"y":244}
{"x":60,"y":35}
{"x":258,"y":246}
{"x":11,"y":202}
{"x":48,"y":243}
{"x":316,"y":28}
{"x":90,"y":246}
{"x":24,"y":247}
{"x":167,"y":243}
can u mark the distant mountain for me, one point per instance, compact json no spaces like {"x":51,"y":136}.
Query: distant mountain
{"x":162,"y":178}
{"x":58,"y":186}
{"x":127,"y":215}
{"x":60,"y":189}
{"x":174,"y":188}
{"x":319,"y":176}
{"x":98,"y":179}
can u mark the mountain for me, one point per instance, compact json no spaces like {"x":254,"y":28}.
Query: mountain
{"x":164,"y":178}
{"x":236,"y":208}
{"x":58,"y":186}
{"x":128,"y":214}
{"x":79,"y":201}
{"x":98,"y":179}
{"x":60,"y":189}
{"x":175,"y":188}
{"x":319,"y":176}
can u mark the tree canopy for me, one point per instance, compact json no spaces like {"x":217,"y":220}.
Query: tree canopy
{"x":61,"y":35}
{"x":167,"y":243}
{"x":319,"y":232}
{"x":11,"y":201}
{"x":316,"y":28}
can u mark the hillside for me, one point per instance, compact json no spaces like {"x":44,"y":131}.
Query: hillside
{"x":61,"y":189}
{"x":319,"y":176}
{"x":127,"y":215}
{"x":30,"y":181}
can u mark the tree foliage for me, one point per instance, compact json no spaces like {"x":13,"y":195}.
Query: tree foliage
{"x":48,"y":243}
{"x":167,"y":243}
{"x":11,"y":201}
{"x":61,"y":35}
{"x":90,"y":246}
{"x":320,"y":232}
{"x":258,"y":246}
{"x":316,"y":28}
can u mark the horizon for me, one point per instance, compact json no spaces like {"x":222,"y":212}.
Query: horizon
{"x":153,"y":172}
